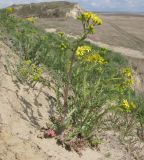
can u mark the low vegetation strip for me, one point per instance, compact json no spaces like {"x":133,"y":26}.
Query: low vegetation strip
{"x":93,"y":87}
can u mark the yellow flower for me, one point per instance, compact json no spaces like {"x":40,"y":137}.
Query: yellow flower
{"x":82,"y":50}
{"x":127,"y":72}
{"x":87,"y":16}
{"x":9,"y":10}
{"x":96,"y":19}
{"x":95,"y":58}
{"x":129,"y":81}
{"x":126,"y":106}
{"x":30,"y":19}
{"x":125,"y":103}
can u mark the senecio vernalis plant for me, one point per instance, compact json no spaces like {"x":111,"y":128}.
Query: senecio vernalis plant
{"x":88,"y":102}
{"x":89,"y":21}
{"x":88,"y":84}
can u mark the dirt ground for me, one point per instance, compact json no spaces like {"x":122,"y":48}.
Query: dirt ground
{"x":117,"y":30}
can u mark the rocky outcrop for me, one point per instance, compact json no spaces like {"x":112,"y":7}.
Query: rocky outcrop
{"x":75,"y":11}
{"x":48,"y":10}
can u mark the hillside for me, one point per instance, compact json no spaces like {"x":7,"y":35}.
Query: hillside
{"x":58,"y":9}
{"x":64,"y":97}
{"x":25,"y":110}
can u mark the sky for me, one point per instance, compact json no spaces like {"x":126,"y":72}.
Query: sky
{"x":93,"y":5}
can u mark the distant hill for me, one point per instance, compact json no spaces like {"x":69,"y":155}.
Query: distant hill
{"x":48,"y":9}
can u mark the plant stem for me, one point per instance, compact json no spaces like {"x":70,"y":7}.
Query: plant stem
{"x":66,"y":88}
{"x":69,"y":75}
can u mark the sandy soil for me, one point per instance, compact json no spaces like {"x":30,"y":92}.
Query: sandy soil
{"x":23,"y":113}
{"x":122,"y":30}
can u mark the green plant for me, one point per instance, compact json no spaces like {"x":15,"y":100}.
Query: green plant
{"x":90,"y":83}
{"x":28,"y":72}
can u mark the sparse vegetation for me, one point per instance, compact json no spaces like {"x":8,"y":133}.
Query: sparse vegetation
{"x":44,"y":9}
{"x":94,"y":87}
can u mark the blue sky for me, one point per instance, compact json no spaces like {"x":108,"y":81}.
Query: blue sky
{"x":94,"y":5}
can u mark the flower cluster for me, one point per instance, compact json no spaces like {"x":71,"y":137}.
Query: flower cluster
{"x":89,"y":16}
{"x":127,"y":74}
{"x":82,"y":50}
{"x":95,"y":58}
{"x":30,"y":19}
{"x":29,"y":71}
{"x":126,"y":106}
{"x":9,"y":10}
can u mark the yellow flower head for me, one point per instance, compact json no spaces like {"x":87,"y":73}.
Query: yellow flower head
{"x":9,"y":10}
{"x":127,"y":72}
{"x":95,"y":58}
{"x":96,"y":19}
{"x":125,"y":103}
{"x":82,"y":50}
{"x":30,"y":19}
{"x":126,"y":106}
{"x":129,"y":81}
{"x":89,"y":16}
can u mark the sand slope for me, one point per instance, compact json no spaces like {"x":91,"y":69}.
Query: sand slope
{"x":22,"y":114}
